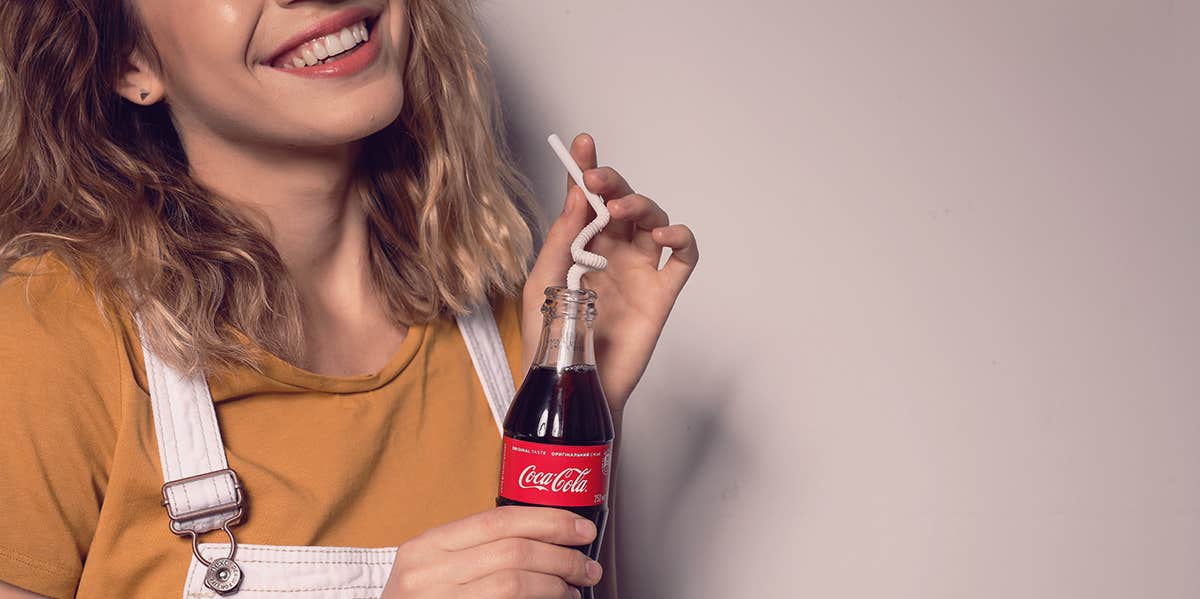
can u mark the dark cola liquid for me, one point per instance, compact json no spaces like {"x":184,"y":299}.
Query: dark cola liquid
{"x":564,"y":407}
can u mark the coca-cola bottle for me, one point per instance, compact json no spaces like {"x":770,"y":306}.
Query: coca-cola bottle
{"x":558,"y":433}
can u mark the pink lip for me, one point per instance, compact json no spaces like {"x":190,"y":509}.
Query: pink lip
{"x":330,"y":24}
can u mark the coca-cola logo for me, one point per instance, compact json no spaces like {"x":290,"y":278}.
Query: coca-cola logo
{"x":567,"y":480}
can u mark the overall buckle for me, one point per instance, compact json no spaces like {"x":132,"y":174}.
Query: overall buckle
{"x":224,"y":575}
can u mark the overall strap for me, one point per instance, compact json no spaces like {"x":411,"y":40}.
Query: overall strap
{"x":201,"y":493}
{"x":482,"y":335}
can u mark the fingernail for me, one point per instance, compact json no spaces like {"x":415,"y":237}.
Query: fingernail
{"x":578,"y":595}
{"x":585,"y":527}
{"x":593,"y":570}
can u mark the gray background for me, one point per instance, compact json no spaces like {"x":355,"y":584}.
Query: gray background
{"x":943,"y":340}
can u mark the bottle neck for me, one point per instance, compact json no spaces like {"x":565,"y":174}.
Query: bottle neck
{"x":566,"y":338}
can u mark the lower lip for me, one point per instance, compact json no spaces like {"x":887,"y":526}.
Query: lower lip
{"x":358,"y":59}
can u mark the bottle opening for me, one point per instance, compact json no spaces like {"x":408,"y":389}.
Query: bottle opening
{"x":561,"y":293}
{"x":569,"y":303}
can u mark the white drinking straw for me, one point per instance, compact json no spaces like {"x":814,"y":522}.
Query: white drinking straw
{"x":584,"y":260}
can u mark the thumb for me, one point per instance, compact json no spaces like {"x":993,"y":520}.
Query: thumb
{"x":555,"y":260}
{"x":550,"y":269}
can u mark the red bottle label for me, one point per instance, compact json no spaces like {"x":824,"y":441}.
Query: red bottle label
{"x":555,"y":475}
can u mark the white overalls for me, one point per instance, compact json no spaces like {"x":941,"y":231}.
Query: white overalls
{"x":201,"y":493}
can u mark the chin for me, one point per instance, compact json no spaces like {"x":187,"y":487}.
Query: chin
{"x":344,"y":122}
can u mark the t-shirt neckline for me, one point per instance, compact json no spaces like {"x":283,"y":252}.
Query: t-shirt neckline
{"x":285,"y":372}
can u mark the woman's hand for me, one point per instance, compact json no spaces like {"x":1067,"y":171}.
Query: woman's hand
{"x":506,"y":552}
{"x":635,"y":297}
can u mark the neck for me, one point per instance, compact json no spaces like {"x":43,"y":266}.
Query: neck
{"x":315,"y":219}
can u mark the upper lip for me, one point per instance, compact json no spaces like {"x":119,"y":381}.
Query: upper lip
{"x":333,"y":23}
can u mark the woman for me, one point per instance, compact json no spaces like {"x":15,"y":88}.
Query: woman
{"x":288,"y":195}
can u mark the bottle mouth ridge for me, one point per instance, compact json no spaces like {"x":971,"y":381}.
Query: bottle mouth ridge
{"x":561,"y":292}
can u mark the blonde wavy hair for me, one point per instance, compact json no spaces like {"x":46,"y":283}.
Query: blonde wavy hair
{"x":103,"y":184}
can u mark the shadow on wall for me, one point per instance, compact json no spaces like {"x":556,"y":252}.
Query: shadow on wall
{"x":687,"y":478}
{"x":664,"y":529}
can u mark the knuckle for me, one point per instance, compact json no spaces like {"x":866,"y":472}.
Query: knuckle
{"x":561,"y":588}
{"x":412,"y":552}
{"x":495,"y":521}
{"x":408,"y":581}
{"x":636,"y":202}
{"x":577,"y":564}
{"x":509,"y":584}
{"x":515,"y":553}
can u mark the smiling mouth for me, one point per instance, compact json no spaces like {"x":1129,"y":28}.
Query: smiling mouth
{"x":326,"y":48}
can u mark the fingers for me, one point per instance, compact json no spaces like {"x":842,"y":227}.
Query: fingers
{"x":606,"y":182}
{"x":511,"y":584}
{"x":684,"y":253}
{"x":550,"y":525}
{"x":513,"y":553}
{"x":639,"y":215}
{"x":583,"y":150}
{"x":640,"y":211}
{"x":554,"y":259}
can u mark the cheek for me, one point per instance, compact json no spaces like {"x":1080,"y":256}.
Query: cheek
{"x":202,"y":48}
{"x":190,"y":34}
{"x":213,"y":88}
{"x":398,"y":28}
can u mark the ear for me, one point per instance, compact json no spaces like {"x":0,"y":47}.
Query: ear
{"x":140,"y":83}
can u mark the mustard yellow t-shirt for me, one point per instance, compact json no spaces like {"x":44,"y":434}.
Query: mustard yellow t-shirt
{"x":367,"y":461}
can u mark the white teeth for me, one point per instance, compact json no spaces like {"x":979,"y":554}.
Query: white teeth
{"x":348,"y":40}
{"x":314,"y":52}
{"x":333,"y":43}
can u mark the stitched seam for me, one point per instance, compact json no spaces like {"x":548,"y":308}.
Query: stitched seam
{"x":338,"y":588}
{"x":268,"y":561}
{"x":490,"y":340}
{"x":479,"y":356}
{"x":264,"y":548}
{"x":167,"y":402}
{"x":31,"y":562}
{"x":187,"y":585}
{"x":204,"y":430}
{"x":199,"y":594}
{"x":153,"y":374}
{"x":487,"y":336}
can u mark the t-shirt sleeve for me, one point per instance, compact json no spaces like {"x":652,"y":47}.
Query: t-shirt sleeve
{"x":58,"y":414}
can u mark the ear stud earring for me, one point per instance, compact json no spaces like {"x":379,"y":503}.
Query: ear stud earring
{"x":143,"y":94}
